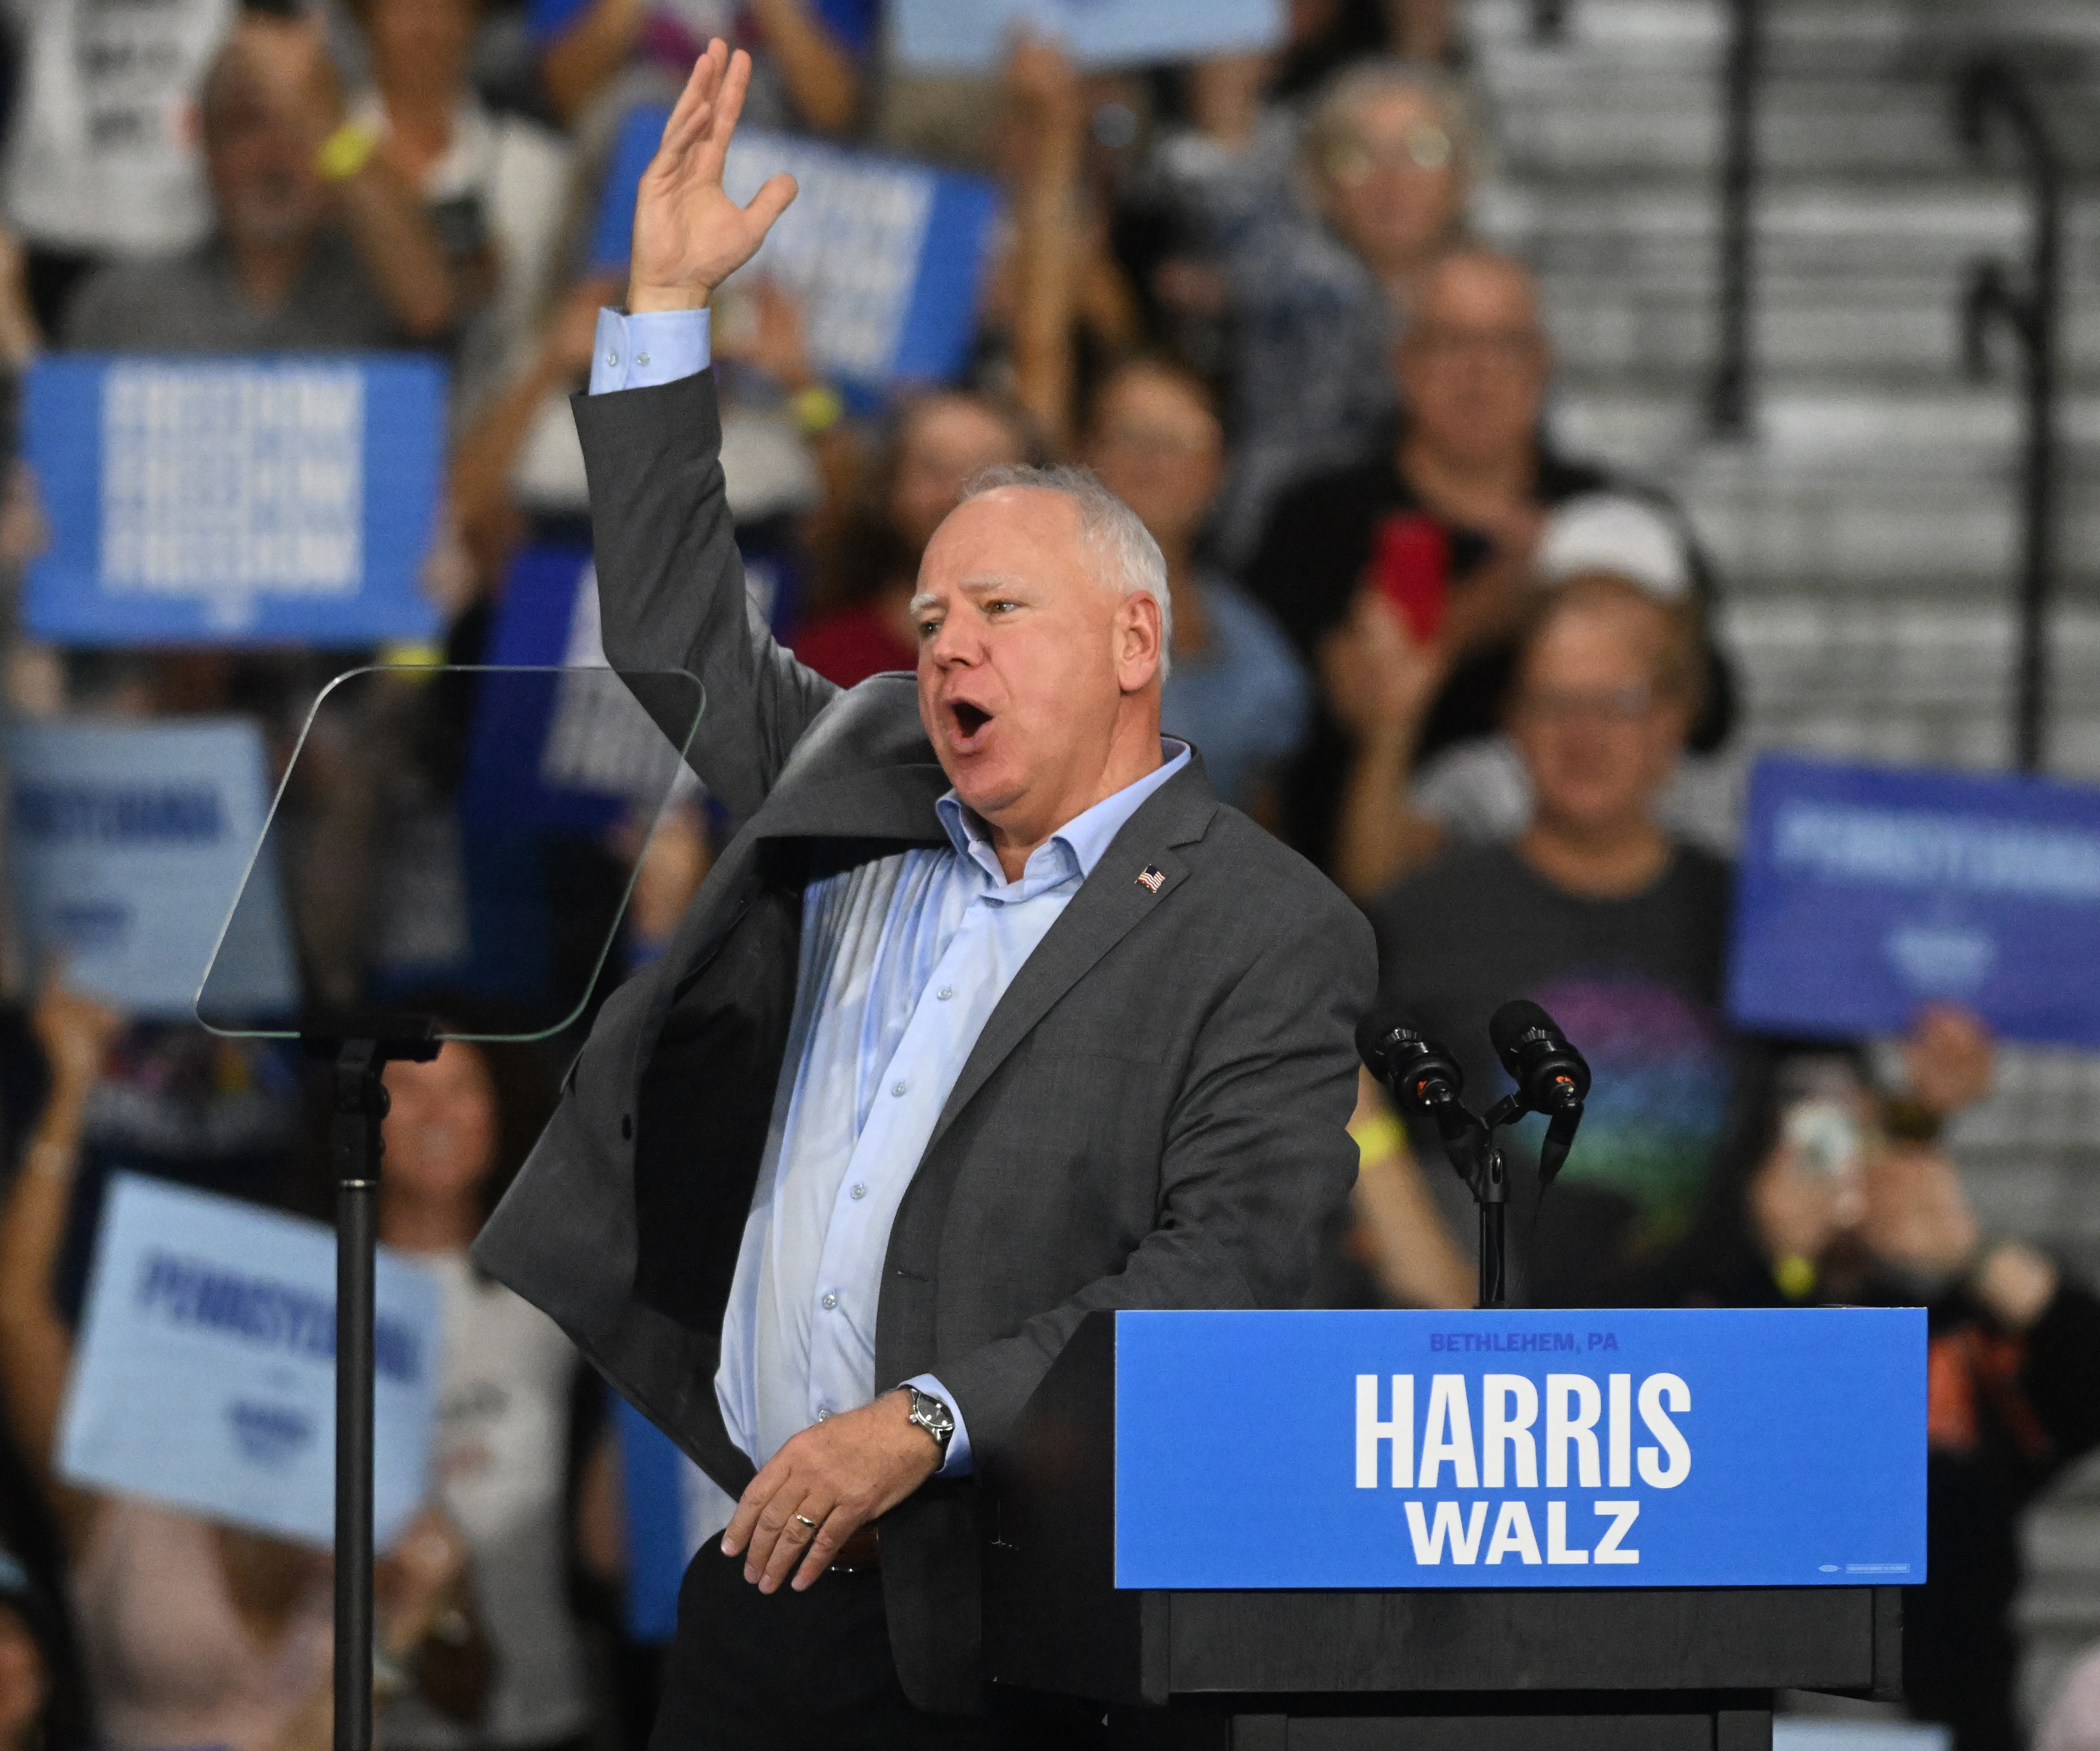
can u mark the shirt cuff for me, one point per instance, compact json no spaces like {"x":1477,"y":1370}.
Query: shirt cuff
{"x":639,"y":352}
{"x":957,"y":1464}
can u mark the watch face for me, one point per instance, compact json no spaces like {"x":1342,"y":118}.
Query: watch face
{"x":932,"y":1416}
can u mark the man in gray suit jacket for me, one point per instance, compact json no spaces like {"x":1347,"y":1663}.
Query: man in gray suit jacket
{"x":990,"y":1015}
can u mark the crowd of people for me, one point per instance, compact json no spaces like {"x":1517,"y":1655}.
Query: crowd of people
{"x":1476,"y":680}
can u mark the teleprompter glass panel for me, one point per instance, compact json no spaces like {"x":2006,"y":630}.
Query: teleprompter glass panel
{"x":460,"y":844}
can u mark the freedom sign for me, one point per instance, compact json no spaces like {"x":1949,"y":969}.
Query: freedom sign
{"x":127,"y":844}
{"x":1676,"y":1448}
{"x":204,"y":1376}
{"x":885,"y":255}
{"x":234,"y":501}
{"x":1864,"y":892}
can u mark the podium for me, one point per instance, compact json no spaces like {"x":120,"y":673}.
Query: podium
{"x":1193,"y":1524}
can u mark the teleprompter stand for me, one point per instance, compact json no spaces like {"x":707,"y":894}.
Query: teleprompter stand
{"x":1517,"y":1669}
{"x":561,"y":765}
{"x":361,"y":1047}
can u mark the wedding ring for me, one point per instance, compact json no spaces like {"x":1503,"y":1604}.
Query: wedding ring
{"x":805,"y":1519}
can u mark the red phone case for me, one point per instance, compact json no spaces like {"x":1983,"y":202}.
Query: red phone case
{"x":1411,"y":565}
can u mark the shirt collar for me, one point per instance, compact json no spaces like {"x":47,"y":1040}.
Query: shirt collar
{"x":1075,"y":848}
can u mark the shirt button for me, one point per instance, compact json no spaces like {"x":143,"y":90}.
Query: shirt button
{"x":900,"y":1089}
{"x":830,"y":1302}
{"x":945,"y":993}
{"x":641,"y":360}
{"x":612,"y":361}
{"x":824,"y":1413}
{"x":860,"y":1191}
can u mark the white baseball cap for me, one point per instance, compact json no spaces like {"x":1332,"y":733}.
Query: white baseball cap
{"x":1611,"y":532}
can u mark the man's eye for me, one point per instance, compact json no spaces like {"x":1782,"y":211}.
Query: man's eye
{"x":1000,"y":605}
{"x":927,"y":628}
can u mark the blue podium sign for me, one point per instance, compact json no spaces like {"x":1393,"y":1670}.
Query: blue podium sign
{"x":885,"y":254}
{"x":247,"y":500}
{"x":205,"y":1374}
{"x":128,"y":843}
{"x":1600,"y":1449}
{"x":1865,"y":892}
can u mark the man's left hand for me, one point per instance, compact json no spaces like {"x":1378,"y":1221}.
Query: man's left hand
{"x":823,"y":1486}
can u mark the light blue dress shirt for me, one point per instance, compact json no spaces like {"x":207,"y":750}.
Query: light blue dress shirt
{"x":903,"y":960}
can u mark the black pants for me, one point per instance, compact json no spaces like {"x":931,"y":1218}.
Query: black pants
{"x":790,"y":1671}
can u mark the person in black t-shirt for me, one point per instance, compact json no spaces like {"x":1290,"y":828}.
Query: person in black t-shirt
{"x":1442,"y":519}
{"x":1595,"y":912}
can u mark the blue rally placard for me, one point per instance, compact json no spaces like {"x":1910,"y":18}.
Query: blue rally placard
{"x":886,"y":255}
{"x":128,"y":842}
{"x":1863,"y":893}
{"x":1679,"y":1448}
{"x":974,"y":36}
{"x":204,"y":1375}
{"x":234,"y":501}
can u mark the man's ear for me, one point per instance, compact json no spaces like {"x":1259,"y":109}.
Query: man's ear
{"x":1138,"y":646}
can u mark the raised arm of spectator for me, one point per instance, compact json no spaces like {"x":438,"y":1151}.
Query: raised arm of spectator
{"x":1044,"y":90}
{"x":36,"y":1349}
{"x":488,"y":448}
{"x":1379,"y":684}
{"x":823,"y":81}
{"x":384,"y":214}
{"x":595,"y":46}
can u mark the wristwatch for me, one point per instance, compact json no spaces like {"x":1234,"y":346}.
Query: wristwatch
{"x":934,"y":1417}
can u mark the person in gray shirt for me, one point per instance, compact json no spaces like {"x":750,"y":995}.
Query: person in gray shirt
{"x":317,"y":245}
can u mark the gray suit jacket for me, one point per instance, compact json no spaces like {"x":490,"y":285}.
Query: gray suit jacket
{"x":1153,"y":1117}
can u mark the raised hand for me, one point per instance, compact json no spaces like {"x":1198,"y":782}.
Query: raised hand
{"x":689,"y":235}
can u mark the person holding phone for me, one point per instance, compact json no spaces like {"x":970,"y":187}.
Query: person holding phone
{"x":1440,"y":522}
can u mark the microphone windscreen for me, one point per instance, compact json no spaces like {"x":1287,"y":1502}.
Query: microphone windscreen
{"x":1513,"y":1020}
{"x":1374,"y":1032}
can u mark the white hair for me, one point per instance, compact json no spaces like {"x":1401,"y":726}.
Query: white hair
{"x":1129,"y":560}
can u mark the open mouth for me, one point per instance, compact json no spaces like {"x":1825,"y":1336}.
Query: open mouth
{"x":969,"y":719}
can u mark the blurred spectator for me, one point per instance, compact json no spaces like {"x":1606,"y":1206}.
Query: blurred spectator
{"x":1314,"y":245}
{"x":1836,"y":1205}
{"x":102,"y":160}
{"x":192,"y":1634}
{"x":804,"y":53}
{"x":1444,"y":519}
{"x":1236,"y":689}
{"x":318,"y":242}
{"x":459,"y":1130}
{"x":1595,"y":912}
{"x":1382,"y":683}
{"x":2072,"y":1721}
{"x":41,"y":1707}
{"x":496,"y":184}
{"x":936,"y":444}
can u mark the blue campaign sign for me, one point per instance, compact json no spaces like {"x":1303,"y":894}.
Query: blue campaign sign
{"x":206,"y":1372}
{"x":973,"y":36}
{"x":1606,"y":1449}
{"x":1863,"y":893}
{"x":225,"y":501}
{"x":128,"y":842}
{"x":886,"y":255}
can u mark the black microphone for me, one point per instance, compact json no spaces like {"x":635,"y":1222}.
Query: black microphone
{"x":1551,"y":1075}
{"x":1425,"y":1079}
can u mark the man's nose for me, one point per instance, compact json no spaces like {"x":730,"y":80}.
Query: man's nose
{"x":954,"y":643}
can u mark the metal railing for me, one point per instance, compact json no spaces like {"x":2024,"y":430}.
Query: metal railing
{"x":1728,"y":390}
{"x":2031,"y":308}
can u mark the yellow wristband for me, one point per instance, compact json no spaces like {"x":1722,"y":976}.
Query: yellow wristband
{"x":347,"y":151}
{"x":1379,"y":1137}
{"x":817,"y":408}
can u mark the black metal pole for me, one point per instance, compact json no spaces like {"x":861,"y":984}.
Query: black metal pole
{"x":1729,"y":393}
{"x":1492,"y":1194}
{"x":2037,"y":562}
{"x":361,"y":1106}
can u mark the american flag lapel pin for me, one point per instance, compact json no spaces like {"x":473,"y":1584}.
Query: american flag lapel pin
{"x":1152,"y":878}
